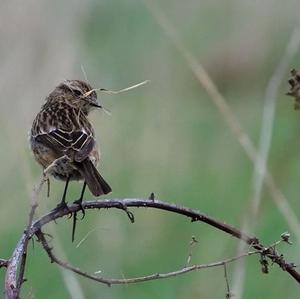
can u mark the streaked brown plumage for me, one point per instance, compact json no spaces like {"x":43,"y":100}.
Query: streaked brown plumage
{"x":62,"y":138}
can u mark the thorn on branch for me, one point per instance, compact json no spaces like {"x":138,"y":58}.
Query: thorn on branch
{"x":293,"y":265}
{"x":3,"y":263}
{"x":253,"y":241}
{"x":24,"y":280}
{"x":285,"y":237}
{"x":129,"y":214}
{"x":152,"y":196}
{"x":264,"y":263}
{"x":193,"y":241}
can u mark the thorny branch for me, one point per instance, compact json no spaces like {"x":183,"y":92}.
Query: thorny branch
{"x":13,"y":280}
{"x":15,"y":262}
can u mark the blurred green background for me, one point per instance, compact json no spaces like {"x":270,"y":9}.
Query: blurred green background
{"x":166,"y":137}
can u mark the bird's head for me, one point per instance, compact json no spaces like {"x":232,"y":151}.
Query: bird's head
{"x":78,"y":94}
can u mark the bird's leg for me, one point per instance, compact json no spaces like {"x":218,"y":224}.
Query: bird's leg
{"x":63,"y":203}
{"x":79,"y":202}
{"x":48,"y":187}
{"x":63,"y":200}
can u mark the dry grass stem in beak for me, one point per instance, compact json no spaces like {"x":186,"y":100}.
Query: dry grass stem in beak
{"x":103,"y":90}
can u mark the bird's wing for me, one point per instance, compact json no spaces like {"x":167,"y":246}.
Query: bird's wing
{"x":79,"y":142}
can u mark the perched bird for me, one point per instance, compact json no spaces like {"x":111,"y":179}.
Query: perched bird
{"x":62,"y":138}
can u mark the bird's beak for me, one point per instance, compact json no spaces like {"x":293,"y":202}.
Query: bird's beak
{"x":92,"y":103}
{"x":96,"y":105}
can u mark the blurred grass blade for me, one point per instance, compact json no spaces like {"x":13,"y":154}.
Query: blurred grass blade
{"x":227,"y":114}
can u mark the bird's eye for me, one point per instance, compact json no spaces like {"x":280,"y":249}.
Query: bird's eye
{"x":77,"y":92}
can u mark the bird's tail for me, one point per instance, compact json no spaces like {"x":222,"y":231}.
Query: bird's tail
{"x":94,"y":180}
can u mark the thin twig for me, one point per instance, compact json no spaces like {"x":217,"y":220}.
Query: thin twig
{"x":228,"y":293}
{"x":69,"y":279}
{"x":193,"y":242}
{"x":155,"y":276}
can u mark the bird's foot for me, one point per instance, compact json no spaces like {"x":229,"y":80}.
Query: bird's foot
{"x":79,"y":202}
{"x":63,"y":205}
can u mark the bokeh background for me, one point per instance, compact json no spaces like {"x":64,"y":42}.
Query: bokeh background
{"x":166,"y":137}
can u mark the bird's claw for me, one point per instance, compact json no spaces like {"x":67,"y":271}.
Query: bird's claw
{"x":79,"y":202}
{"x":63,"y":205}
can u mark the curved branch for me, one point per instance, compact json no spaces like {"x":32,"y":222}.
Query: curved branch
{"x":192,"y":214}
{"x":123,"y":204}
